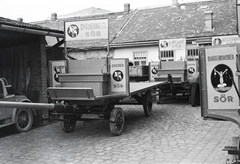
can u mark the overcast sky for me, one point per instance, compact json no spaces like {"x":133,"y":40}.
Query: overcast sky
{"x":36,"y":10}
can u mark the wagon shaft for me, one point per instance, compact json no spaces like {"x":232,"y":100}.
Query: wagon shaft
{"x":43,"y":106}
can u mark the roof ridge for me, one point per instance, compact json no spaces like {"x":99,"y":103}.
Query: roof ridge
{"x":152,"y":7}
{"x":180,"y":3}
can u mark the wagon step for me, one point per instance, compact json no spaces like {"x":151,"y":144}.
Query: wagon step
{"x":226,"y":148}
{"x":232,"y":150}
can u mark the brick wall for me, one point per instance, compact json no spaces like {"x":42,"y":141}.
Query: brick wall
{"x":38,"y":67}
{"x":17,"y":61}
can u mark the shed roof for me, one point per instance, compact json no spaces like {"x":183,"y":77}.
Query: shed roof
{"x":18,"y":26}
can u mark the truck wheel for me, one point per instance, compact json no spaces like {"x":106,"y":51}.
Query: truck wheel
{"x":116,"y":121}
{"x":23,"y":120}
{"x":147,"y":103}
{"x":68,"y":125}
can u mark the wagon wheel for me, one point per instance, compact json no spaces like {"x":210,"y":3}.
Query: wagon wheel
{"x":68,"y":125}
{"x":116,"y":121}
{"x":147,"y":103}
{"x":235,"y":143}
{"x":23,"y":120}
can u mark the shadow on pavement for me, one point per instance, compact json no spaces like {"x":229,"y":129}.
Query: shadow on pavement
{"x":10,"y":130}
{"x":174,"y":100}
{"x":6,"y":131}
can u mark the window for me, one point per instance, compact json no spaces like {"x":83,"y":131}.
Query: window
{"x":167,"y":55}
{"x":176,"y":18}
{"x":140,"y":58}
{"x":203,"y":8}
{"x":192,"y":54}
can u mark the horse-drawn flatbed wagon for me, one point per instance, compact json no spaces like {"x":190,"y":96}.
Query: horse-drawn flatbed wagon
{"x":87,"y":91}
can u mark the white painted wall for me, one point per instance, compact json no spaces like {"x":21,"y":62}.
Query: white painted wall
{"x":91,"y":54}
{"x":152,"y":53}
{"x":180,"y":55}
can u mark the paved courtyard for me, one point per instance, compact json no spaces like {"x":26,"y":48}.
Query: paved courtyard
{"x":174,"y":133}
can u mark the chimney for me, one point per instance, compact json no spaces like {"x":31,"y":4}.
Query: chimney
{"x":53,"y":16}
{"x":208,"y":20}
{"x":126,"y":7}
{"x":20,"y":20}
{"x":174,"y":3}
{"x":182,"y":7}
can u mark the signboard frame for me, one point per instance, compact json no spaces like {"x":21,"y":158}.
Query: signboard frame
{"x":105,"y":38}
{"x":209,"y":110}
{"x":154,"y":66}
{"x":172,"y":44}
{"x":119,"y":67}
{"x":86,"y":30}
{"x":61,"y":68}
{"x":225,"y":40}
{"x":192,"y":68}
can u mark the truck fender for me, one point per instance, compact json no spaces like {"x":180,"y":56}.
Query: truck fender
{"x":15,"y":111}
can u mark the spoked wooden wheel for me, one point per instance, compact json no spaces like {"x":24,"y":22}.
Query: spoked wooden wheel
{"x":69,"y":125}
{"x":147,"y":103}
{"x":116,"y":121}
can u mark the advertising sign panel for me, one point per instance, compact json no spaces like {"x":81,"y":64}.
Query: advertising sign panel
{"x":192,"y":68}
{"x":153,"y":70}
{"x":223,"y":40}
{"x":172,"y":44}
{"x":55,"y":68}
{"x":219,"y":82}
{"x":119,"y":76}
{"x":86,"y":30}
{"x":220,"y":68}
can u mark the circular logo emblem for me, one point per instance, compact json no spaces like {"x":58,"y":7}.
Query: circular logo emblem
{"x":56,"y":74}
{"x":117,"y":75}
{"x":191,"y":70}
{"x":164,"y":44}
{"x":217,"y":41}
{"x":154,"y":71}
{"x":73,"y":30}
{"x":221,"y":78}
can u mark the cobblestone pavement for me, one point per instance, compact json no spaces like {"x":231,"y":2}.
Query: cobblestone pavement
{"x":175,"y":133}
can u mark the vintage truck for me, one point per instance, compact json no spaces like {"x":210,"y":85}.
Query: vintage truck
{"x":22,"y":118}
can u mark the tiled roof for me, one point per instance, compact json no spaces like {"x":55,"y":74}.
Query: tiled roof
{"x":153,"y":24}
{"x":157,"y":23}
